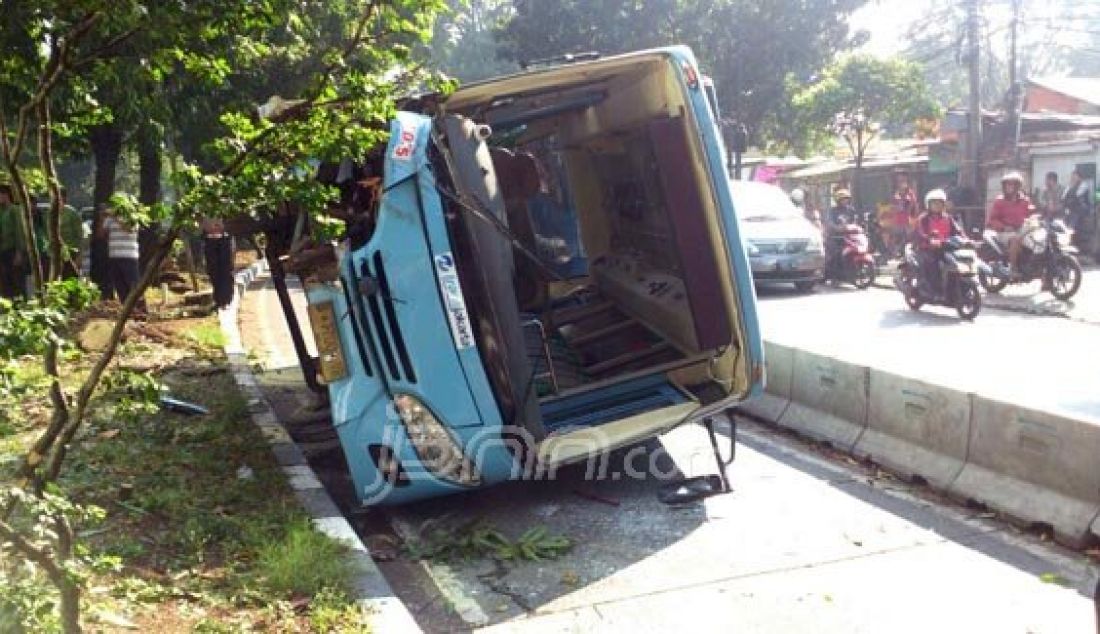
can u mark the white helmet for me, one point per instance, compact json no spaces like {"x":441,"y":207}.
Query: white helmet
{"x":798,"y":196}
{"x":1013,"y":176}
{"x":935,"y":194}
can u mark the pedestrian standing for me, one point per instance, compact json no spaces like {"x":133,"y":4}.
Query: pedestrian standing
{"x":1050,"y":199}
{"x":1079,"y":209}
{"x":218,"y":251}
{"x":13,"y":257}
{"x":904,"y":211}
{"x":122,"y":254}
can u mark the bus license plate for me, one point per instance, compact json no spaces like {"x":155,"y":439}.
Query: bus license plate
{"x":322,"y":318}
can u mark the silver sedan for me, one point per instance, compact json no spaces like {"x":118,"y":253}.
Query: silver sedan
{"x":783,"y":247}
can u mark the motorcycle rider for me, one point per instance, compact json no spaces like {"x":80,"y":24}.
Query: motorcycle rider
{"x":841,"y":215}
{"x":934,"y":227}
{"x":1008,"y":214}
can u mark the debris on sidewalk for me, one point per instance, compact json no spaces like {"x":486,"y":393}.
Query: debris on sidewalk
{"x":382,"y":547}
{"x":595,"y":497}
{"x":182,"y":407}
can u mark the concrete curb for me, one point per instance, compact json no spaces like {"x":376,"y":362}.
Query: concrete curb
{"x":916,"y":429}
{"x":383,"y":609}
{"x":1035,"y":467}
{"x":828,"y":400}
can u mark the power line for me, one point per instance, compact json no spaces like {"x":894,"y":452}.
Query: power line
{"x":952,"y":47}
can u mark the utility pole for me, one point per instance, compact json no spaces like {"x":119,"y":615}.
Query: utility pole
{"x":1014,"y":105}
{"x":1012,"y":63}
{"x":974,"y":123}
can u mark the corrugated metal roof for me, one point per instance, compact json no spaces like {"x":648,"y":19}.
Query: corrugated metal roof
{"x":1085,"y":89}
{"x":837,"y":167}
{"x":1061,"y":119}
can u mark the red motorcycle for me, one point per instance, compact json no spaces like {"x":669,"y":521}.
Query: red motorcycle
{"x":854,"y":263}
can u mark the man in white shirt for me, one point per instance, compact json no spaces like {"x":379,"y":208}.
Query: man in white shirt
{"x":122,"y":254}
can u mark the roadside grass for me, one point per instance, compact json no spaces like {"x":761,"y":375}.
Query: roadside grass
{"x":207,"y":336}
{"x":201,"y":531}
{"x":304,"y":563}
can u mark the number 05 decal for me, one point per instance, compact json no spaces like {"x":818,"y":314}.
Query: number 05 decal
{"x":406,"y":143}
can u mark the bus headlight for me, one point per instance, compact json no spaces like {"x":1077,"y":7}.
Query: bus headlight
{"x":433,"y":443}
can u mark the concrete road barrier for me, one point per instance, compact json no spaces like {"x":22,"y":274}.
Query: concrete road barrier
{"x":828,"y":399}
{"x":779,"y":368}
{"x":1035,"y":467}
{"x":916,"y":429}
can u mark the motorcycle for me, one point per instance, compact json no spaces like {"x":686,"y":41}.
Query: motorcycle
{"x":1045,"y":254}
{"x":960,"y":262}
{"x":854,"y":263}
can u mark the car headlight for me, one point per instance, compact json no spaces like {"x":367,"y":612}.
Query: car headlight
{"x":434,"y":444}
{"x":751,"y":249}
{"x":816,"y":244}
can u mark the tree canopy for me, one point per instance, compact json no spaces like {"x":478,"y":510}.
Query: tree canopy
{"x":876,"y":95}
{"x":755,"y":50}
{"x":464,"y":44}
{"x":74,"y":66}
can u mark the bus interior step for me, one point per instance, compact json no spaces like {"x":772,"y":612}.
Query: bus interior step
{"x":588,"y":409}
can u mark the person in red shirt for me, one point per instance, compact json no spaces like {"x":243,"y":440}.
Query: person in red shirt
{"x":933,"y":228}
{"x":903,"y":211}
{"x":1008,"y":214}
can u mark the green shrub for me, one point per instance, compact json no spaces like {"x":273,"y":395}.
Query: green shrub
{"x":26,"y":327}
{"x":332,"y":611}
{"x":71,"y":295}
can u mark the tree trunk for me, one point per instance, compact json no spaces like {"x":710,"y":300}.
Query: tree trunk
{"x":854,"y":187}
{"x":106,"y":142}
{"x":149,"y":171}
{"x":53,"y":186}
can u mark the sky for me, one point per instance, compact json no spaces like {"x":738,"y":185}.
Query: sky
{"x":887,"y":21}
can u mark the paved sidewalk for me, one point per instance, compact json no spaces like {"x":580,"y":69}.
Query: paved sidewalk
{"x":803,"y":544}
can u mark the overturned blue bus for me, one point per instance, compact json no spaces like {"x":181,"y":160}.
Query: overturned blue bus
{"x":552,"y":269}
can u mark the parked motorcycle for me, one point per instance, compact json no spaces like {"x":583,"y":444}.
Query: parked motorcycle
{"x":960,"y":261}
{"x":1045,"y":254}
{"x":854,"y":264}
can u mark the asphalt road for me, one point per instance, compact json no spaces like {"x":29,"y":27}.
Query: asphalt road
{"x":1044,"y":362}
{"x":807,"y":542}
{"x":1083,"y":307}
